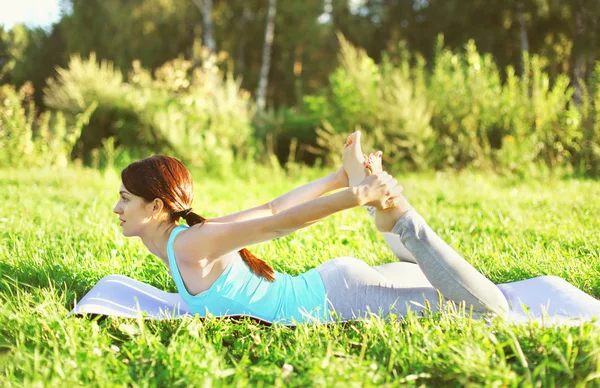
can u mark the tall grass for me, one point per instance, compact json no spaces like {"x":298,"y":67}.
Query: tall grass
{"x":194,"y":111}
{"x":28,"y":139}
{"x":460,"y":111}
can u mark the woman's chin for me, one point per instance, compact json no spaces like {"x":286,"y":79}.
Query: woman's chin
{"x":125,"y":232}
{"x":130,"y":233}
{"x":132,"y":230}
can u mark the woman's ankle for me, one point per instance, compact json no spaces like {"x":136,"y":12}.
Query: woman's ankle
{"x":385,"y":220}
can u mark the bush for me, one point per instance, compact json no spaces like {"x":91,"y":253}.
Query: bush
{"x":587,"y":150}
{"x":386,"y":101}
{"x":85,"y":82}
{"x":27,"y":140}
{"x":195,"y":113}
{"x":465,"y":90}
{"x":484,"y":122}
{"x":288,"y":135}
{"x":536,"y":119}
{"x":207,"y":120}
{"x":462,"y":113}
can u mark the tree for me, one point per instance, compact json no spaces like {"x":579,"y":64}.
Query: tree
{"x":206,"y":8}
{"x":585,"y":22}
{"x":4,"y":55}
{"x":522,"y":31}
{"x":261,"y":94}
{"x":153,"y":31}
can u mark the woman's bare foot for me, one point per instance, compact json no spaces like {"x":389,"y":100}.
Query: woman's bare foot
{"x":385,"y":219}
{"x":354,"y":160}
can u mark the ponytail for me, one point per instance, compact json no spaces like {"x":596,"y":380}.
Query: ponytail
{"x":258,"y":266}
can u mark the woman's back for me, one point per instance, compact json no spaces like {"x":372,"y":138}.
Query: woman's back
{"x":238,"y":290}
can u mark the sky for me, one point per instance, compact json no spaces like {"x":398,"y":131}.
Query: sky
{"x":31,"y":12}
{"x":45,"y":12}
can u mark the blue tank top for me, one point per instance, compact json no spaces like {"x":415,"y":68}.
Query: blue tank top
{"x":287,"y":300}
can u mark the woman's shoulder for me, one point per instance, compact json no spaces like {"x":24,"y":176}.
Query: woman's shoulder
{"x":192,"y":245}
{"x":187,"y":245}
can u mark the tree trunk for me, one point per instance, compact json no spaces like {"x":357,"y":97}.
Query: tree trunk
{"x":578,"y":57}
{"x":240,"y":62}
{"x":593,"y":29}
{"x":261,"y":94}
{"x":523,"y":33}
{"x":205,"y":7}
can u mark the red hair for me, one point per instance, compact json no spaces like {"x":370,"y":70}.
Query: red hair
{"x":167,"y":178}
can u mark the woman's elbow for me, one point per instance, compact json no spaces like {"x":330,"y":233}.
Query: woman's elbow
{"x":281,"y":233}
{"x":271,"y":208}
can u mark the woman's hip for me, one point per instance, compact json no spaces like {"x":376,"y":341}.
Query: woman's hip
{"x":355,"y":289}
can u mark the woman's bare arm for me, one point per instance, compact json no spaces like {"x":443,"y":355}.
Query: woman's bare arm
{"x":290,"y":199}
{"x":213,"y":240}
{"x":309,"y":191}
{"x":248,"y":214}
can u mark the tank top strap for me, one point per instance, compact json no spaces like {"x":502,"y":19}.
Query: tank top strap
{"x":172,"y":262}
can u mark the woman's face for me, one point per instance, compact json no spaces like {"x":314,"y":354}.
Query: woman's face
{"x":134,"y":212}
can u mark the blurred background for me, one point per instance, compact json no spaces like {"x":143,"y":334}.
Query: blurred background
{"x":511,"y":87}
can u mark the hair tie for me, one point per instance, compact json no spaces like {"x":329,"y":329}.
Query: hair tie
{"x":184,"y":213}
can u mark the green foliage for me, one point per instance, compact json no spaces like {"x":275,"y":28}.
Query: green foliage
{"x":304,"y":49}
{"x":286,"y":135}
{"x":466,"y":92}
{"x":462,"y":109}
{"x":27,"y":140}
{"x":82,"y":83}
{"x":462,"y":113}
{"x":587,"y":149}
{"x":537,"y":122}
{"x":152,"y":31}
{"x":85,"y":81}
{"x":386,"y":101}
{"x":13,"y":47}
{"x":195,"y":113}
{"x":29,"y":55}
{"x":484,"y":122}
{"x":206,"y":116}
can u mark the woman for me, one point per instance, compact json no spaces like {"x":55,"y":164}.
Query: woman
{"x":211,"y":268}
{"x":215,"y":273}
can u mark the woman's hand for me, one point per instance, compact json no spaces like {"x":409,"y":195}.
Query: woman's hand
{"x":376,"y":189}
{"x":396,"y":205}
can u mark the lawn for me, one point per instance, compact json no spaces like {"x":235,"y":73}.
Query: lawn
{"x":59,"y":237}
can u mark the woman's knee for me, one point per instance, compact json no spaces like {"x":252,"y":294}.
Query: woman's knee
{"x":357,"y":272}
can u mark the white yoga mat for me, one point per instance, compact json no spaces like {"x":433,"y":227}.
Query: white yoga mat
{"x":548,"y":299}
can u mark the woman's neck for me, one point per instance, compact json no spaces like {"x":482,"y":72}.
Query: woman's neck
{"x":156,"y":240}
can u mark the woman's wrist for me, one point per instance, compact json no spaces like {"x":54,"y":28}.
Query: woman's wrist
{"x":334,"y":181}
{"x":357,"y":193}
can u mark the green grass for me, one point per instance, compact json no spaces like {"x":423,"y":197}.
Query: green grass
{"x":59,"y":237}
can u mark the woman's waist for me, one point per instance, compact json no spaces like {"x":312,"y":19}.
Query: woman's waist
{"x":284,"y":290}
{"x":288,"y":298}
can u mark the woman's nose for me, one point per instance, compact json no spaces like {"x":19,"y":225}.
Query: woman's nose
{"x":116,"y":209}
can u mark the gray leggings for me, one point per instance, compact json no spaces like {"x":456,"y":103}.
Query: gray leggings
{"x":355,"y":289}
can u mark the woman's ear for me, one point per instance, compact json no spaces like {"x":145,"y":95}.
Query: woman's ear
{"x":157,"y":207}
